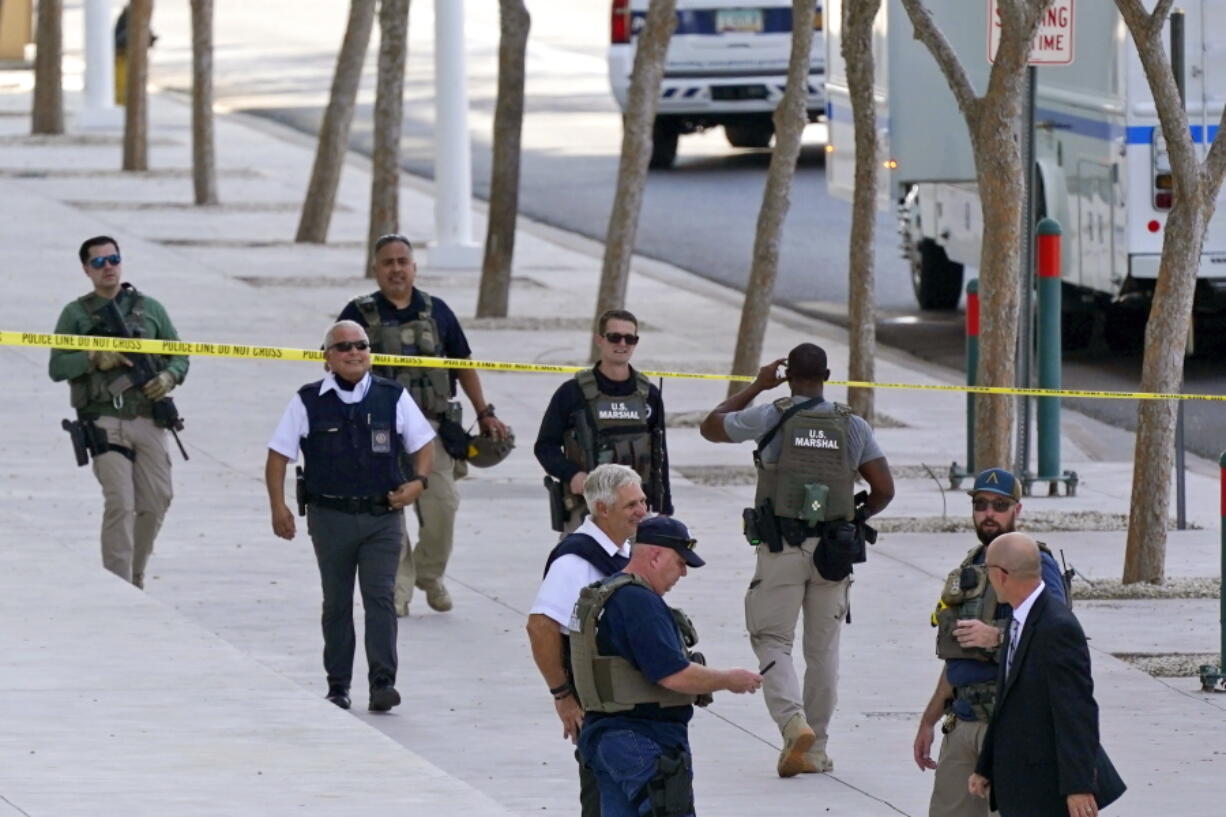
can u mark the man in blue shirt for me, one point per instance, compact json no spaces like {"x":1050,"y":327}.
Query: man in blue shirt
{"x":970,"y":642}
{"x":641,"y":755}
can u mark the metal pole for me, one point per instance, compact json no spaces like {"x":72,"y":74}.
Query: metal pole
{"x":98,"y":110}
{"x":1211,"y":675}
{"x":1026,"y":316}
{"x":1181,"y":489}
{"x":1049,"y":358}
{"x":972,"y":367}
{"x":453,"y":247}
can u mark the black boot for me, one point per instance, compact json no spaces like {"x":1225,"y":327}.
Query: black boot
{"x":339,"y":695}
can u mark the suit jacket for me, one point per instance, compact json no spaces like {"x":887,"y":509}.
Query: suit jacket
{"x":1042,"y":742}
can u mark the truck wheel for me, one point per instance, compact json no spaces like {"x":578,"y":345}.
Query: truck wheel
{"x":664,"y":135}
{"x":750,"y":135}
{"x":937,"y":281}
{"x":1124,"y":329}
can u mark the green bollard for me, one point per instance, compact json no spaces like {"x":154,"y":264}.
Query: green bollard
{"x":972,"y":367}
{"x":1049,"y":352}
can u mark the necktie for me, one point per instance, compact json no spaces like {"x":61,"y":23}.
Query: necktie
{"x":1014,"y":631}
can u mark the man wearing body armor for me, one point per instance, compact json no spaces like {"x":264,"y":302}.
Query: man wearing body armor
{"x":638,"y":680}
{"x":121,"y":421}
{"x":970,"y":626}
{"x":367,"y":450}
{"x":599,"y":548}
{"x":609,"y":413}
{"x":808,"y":528}
{"x":403,"y":320}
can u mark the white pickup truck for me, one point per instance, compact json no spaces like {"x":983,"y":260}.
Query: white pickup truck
{"x":727,"y":65}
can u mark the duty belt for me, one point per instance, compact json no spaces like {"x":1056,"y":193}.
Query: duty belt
{"x":375,"y":505}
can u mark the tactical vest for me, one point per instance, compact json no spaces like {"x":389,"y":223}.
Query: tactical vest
{"x":96,"y":386}
{"x":974,"y":598}
{"x":352,"y":450}
{"x":621,"y":434}
{"x":610,"y":683}
{"x":812,"y":479}
{"x":429,"y":388}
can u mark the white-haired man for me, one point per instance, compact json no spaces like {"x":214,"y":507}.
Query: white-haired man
{"x":351,"y":426}
{"x":598,"y":548}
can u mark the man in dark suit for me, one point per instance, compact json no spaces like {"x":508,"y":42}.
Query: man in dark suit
{"x":1041,"y":756}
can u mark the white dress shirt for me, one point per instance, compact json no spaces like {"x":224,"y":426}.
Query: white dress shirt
{"x":414,"y":430}
{"x":1019,"y":617}
{"x":569,"y":574}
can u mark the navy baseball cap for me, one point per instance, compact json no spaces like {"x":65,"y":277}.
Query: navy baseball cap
{"x":997,"y":481}
{"x":666,"y":532}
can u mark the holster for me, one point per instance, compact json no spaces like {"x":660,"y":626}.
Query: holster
{"x":557,"y":504}
{"x":300,"y":490}
{"x":671,"y":791}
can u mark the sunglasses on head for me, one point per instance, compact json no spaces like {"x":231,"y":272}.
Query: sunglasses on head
{"x":102,"y":260}
{"x":349,"y":345}
{"x":998,"y":505}
{"x":618,"y":337}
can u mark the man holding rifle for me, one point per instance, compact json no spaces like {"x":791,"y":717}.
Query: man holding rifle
{"x":123,"y":411}
{"x":607,"y":414}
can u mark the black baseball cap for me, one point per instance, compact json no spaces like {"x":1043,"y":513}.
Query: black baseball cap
{"x":666,"y":532}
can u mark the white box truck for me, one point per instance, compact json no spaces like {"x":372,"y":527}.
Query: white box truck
{"x":727,"y":66}
{"x":1101,"y":159}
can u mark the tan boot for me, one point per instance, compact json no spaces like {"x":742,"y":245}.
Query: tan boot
{"x":817,"y":761}
{"x":797,"y":740}
{"x":436,"y":595}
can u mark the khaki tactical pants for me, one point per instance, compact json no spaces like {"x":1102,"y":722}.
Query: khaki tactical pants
{"x":955,"y":764}
{"x":135,"y":494}
{"x":784,"y":585}
{"x":437,"y":506}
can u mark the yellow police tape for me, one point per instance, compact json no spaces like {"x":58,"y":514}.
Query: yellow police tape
{"x":174,"y":347}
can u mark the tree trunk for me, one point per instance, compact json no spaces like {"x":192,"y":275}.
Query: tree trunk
{"x":136,"y":105}
{"x":651,"y":47}
{"x":495,"y":295}
{"x":388,"y":124}
{"x":857,"y":50}
{"x":790,"y":119}
{"x":994,"y":122}
{"x":48,"y":114}
{"x":334,"y":130}
{"x":204,"y":159}
{"x":1196,"y":188}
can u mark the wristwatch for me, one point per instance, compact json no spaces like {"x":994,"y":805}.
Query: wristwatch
{"x":425,"y":483}
{"x":488,"y":411}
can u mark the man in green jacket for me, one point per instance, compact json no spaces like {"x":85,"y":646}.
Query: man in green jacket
{"x":133,"y":464}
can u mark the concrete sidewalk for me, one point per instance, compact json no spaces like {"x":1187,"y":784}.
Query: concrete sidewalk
{"x":204,"y":694}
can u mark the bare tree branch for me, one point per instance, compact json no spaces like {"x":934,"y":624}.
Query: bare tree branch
{"x":926,"y":32}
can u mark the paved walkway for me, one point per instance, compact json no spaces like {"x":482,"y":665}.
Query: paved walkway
{"x":204,"y":694}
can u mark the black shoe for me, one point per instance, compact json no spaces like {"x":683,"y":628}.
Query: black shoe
{"x":383,"y":698}
{"x":339,"y":695}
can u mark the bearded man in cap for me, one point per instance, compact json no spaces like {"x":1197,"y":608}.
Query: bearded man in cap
{"x":971,"y":623}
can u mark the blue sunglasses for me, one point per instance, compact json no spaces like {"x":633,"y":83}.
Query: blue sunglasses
{"x":102,"y":260}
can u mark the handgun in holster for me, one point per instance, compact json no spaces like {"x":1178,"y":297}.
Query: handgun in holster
{"x":88,"y":440}
{"x":300,"y":489}
{"x":557,"y":504}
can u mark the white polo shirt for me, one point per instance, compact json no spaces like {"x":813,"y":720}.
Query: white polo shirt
{"x":569,"y":574}
{"x":414,"y":430}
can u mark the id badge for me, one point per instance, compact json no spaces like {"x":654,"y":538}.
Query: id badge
{"x":381,"y":440}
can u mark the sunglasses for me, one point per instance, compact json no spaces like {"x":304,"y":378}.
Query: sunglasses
{"x":998,"y":567}
{"x":349,"y":345}
{"x":998,"y":505}
{"x":102,"y":260}
{"x":618,"y":337}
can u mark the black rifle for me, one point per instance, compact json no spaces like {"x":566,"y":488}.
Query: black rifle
{"x":656,"y":500}
{"x":142,"y":370}
{"x":585,"y":439}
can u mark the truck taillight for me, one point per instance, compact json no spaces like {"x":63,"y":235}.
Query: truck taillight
{"x":1163,"y":183}
{"x":620,"y":22}
{"x":817,"y":18}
